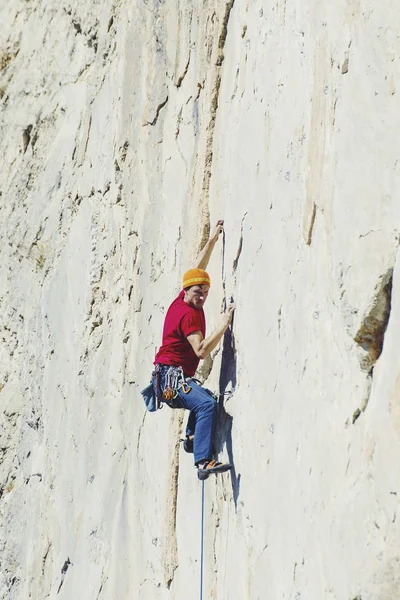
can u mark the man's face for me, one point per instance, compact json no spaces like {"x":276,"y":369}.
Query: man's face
{"x":197,"y":295}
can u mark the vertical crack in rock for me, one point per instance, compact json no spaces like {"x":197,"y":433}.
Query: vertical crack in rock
{"x":311,"y":224}
{"x":239,"y":250}
{"x":355,"y":416}
{"x":44,"y":559}
{"x":86,"y":140}
{"x":103,"y":581}
{"x":63,"y":573}
{"x":140,"y":433}
{"x":182,"y":77}
{"x":179,"y":79}
{"x":224,"y":31}
{"x":171,"y":546}
{"x":213,"y":118}
{"x":158,"y":110}
{"x":178,"y":123}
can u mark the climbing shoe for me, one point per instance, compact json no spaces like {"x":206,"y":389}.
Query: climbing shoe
{"x":210,"y":467}
{"x":188,"y":444}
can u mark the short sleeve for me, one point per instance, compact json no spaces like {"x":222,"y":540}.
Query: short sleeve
{"x":191,"y":322}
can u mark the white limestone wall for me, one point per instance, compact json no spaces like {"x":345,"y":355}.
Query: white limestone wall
{"x":126,"y":130}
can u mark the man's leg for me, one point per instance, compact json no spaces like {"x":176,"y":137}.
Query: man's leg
{"x":191,"y":424}
{"x":203,"y":415}
{"x":188,"y":442}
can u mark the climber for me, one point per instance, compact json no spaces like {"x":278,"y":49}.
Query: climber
{"x":183,"y":346}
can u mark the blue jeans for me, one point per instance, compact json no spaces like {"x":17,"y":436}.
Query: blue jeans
{"x":202,"y":417}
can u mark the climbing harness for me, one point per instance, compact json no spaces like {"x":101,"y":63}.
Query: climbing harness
{"x":174,"y":380}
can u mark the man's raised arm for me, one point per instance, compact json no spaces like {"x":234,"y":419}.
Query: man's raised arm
{"x":204,"y":256}
{"x":203,"y":346}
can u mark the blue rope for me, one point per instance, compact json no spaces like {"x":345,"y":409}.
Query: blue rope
{"x":202,"y":541}
{"x":223,"y":268}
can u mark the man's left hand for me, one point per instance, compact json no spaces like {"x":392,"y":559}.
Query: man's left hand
{"x":217,"y":230}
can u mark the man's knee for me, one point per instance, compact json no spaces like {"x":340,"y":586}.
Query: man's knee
{"x":200,"y":399}
{"x":210,"y":404}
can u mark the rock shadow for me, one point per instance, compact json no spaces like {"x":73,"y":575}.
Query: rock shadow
{"x":225,"y":420}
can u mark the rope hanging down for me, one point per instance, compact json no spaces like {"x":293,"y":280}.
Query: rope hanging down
{"x":202,"y":541}
{"x":223,"y":274}
{"x":223,"y":269}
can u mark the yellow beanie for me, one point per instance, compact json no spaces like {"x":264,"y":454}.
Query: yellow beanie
{"x":196,"y":277}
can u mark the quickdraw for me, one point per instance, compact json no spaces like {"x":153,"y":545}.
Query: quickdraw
{"x":174,"y":380}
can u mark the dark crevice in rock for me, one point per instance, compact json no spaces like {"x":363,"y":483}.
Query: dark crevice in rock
{"x":311,"y":227}
{"x":63,"y":573}
{"x":199,"y":88}
{"x":159,"y":108}
{"x":26,"y":138}
{"x":87,"y":138}
{"x":100,"y":590}
{"x":238,"y":253}
{"x":239,"y":250}
{"x":355,"y":416}
{"x":77,"y":26}
{"x":140,"y":433}
{"x":182,"y":77}
{"x":178,"y":123}
{"x":215,"y":100}
{"x":65,"y":566}
{"x":224,"y":32}
{"x":92,"y":40}
{"x":44,"y":559}
{"x":370,"y":336}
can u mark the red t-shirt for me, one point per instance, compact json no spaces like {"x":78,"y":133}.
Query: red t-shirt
{"x":181,"y":320}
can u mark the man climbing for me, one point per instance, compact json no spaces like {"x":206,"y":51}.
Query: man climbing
{"x":184,"y":344}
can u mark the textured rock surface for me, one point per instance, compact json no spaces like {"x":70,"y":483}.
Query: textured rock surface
{"x":126,"y":128}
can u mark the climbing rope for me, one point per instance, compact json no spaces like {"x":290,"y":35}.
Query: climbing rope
{"x":202,"y":541}
{"x":223,"y":267}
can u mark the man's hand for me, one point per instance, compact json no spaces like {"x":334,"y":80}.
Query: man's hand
{"x":228,"y":315}
{"x":217,"y":230}
{"x":202,"y":347}
{"x":204,"y":257}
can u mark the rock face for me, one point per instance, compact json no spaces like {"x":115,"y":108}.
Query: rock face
{"x":127,"y":128}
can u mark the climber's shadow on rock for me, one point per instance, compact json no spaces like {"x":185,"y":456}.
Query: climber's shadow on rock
{"x":227,"y":381}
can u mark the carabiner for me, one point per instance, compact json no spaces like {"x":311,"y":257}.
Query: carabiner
{"x":185,"y":387}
